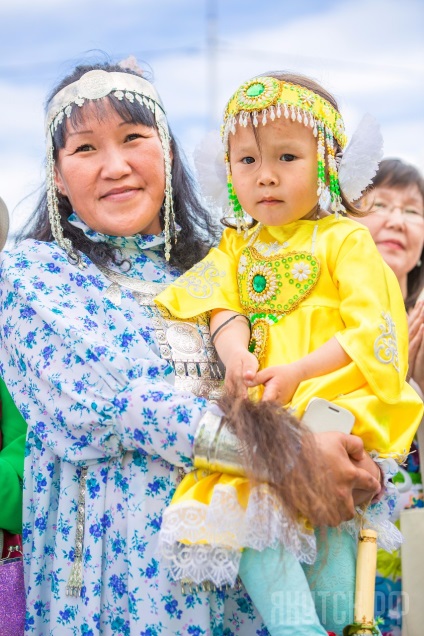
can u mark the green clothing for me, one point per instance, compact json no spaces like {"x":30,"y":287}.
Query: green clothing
{"x":13,"y":428}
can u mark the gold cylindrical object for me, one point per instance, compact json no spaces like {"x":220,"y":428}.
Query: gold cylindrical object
{"x":366,"y":565}
{"x":216,"y":448}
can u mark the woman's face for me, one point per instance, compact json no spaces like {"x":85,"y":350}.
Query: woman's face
{"x":113,"y":173}
{"x":396,"y":224}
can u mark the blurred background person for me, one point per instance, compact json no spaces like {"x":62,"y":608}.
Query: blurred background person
{"x":12,"y":445}
{"x":12,"y":449}
{"x":397,"y":227}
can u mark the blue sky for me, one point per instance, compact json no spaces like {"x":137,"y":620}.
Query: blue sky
{"x":369,"y":53}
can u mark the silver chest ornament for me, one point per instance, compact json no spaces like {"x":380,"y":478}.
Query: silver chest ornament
{"x":185,"y":344}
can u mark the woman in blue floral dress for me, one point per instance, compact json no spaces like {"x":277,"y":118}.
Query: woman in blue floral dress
{"x":90,"y":363}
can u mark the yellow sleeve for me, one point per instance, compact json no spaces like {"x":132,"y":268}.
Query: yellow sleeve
{"x":210,"y":284}
{"x":372,"y":309}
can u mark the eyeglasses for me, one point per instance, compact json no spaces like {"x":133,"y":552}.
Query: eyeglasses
{"x":411,"y":215}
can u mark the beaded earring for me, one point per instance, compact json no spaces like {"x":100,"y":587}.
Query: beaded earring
{"x":321,"y":159}
{"x":238,"y":212}
{"x":54,"y":214}
{"x":169,"y":214}
{"x":334,"y":187}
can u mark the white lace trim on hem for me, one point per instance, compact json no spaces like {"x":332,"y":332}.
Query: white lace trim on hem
{"x":204,"y":542}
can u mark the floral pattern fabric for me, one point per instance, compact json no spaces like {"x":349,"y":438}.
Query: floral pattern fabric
{"x":87,"y":376}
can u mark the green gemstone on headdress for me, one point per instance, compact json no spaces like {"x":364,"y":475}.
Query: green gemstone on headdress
{"x":255,"y":90}
{"x":259,"y":283}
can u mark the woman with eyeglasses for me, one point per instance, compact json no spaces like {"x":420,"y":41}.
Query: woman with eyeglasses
{"x":397,"y":227}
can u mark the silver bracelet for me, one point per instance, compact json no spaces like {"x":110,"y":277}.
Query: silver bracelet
{"x":216,"y":448}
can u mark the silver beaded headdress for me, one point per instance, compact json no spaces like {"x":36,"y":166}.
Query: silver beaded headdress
{"x":95,"y":85}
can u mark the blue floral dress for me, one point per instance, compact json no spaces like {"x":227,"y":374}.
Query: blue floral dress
{"x":87,"y":376}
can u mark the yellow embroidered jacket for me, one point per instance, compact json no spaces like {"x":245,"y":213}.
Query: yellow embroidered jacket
{"x":301,"y":284}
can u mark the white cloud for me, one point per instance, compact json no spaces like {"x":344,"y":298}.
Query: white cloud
{"x":21,"y":113}
{"x":39,"y":6}
{"x":403,"y":140}
{"x":369,"y":53}
{"x":21,"y":179}
{"x":371,"y":32}
{"x":10,"y":8}
{"x":21,"y":147}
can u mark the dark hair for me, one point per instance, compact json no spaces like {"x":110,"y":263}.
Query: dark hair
{"x":312,"y":85}
{"x":199,"y":231}
{"x":395,"y":173}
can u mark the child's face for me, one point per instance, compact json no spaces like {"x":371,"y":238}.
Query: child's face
{"x":275,"y":179}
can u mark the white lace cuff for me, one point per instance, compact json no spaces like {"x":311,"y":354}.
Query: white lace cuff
{"x":378,"y":515}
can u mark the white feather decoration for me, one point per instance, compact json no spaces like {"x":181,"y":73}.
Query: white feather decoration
{"x":360,"y":160}
{"x":209,"y":160}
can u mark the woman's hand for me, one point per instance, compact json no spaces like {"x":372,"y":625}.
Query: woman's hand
{"x":368,"y":464}
{"x":355,"y":479}
{"x":416,"y":344}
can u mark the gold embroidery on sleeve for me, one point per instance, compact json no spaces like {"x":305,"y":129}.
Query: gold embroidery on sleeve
{"x":201,"y":279}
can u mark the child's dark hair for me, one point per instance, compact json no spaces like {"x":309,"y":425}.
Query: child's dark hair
{"x":198,"y":230}
{"x":312,"y":85}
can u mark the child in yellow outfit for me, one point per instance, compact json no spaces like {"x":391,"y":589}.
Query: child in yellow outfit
{"x":302,"y":306}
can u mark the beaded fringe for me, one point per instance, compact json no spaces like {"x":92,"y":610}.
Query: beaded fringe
{"x":189,"y":587}
{"x":75,"y":580}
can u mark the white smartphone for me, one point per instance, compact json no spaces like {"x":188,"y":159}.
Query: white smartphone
{"x":321,"y":415}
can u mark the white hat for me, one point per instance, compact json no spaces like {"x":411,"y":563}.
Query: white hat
{"x":4,"y":223}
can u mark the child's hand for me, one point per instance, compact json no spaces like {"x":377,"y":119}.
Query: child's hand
{"x":280,"y":382}
{"x":239,"y":372}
